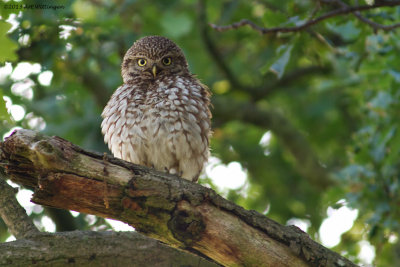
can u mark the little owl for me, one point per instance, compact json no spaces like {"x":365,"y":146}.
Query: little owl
{"x":159,"y":117}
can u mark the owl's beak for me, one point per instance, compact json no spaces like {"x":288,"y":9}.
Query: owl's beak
{"x":154,"y":71}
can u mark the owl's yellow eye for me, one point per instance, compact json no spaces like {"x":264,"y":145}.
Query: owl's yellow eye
{"x":167,"y":61}
{"x":142,"y":62}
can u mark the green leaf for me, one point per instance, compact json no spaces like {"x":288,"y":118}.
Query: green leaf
{"x":3,"y":110}
{"x":279,"y":63}
{"x":85,"y":10}
{"x":394,"y":74}
{"x":295,"y":20}
{"x":347,"y":30}
{"x":10,"y":7}
{"x":272,"y":18}
{"x":381,"y":101}
{"x":8,"y":47}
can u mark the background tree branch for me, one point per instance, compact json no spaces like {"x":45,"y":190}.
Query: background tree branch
{"x":357,"y":14}
{"x":344,"y":9}
{"x":15,"y":217}
{"x":86,"y":248}
{"x":180,"y":213}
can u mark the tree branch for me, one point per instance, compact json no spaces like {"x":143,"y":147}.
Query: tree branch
{"x":14,"y":216}
{"x":357,"y":14}
{"x":85,"y":248}
{"x":340,"y":11}
{"x":175,"y":211}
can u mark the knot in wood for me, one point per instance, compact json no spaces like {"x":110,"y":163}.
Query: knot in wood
{"x":44,"y":147}
{"x":186,"y":224}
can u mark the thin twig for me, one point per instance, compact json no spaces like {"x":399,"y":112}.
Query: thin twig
{"x":376,"y":26}
{"x":310,"y":22}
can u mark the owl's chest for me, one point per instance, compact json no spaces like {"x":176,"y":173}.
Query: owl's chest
{"x":160,"y":113}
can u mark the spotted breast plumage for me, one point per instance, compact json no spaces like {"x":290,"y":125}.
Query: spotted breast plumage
{"x":160,"y":116}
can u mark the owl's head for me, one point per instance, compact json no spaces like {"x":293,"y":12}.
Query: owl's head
{"x":153,"y":57}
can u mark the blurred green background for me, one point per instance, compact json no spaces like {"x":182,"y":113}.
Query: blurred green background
{"x":305,"y":123}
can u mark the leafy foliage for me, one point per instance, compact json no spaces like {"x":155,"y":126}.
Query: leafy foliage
{"x":336,"y":83}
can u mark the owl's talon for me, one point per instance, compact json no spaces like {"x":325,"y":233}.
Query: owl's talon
{"x":173,"y":171}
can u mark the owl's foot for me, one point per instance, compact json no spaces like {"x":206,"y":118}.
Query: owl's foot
{"x":173,"y":171}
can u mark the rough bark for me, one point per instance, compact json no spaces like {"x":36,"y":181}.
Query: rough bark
{"x":81,"y":248}
{"x":13,"y":215}
{"x":177,"y":212}
{"x":86,"y":248}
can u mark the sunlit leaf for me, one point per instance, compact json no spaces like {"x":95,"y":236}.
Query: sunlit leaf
{"x":221,"y":87}
{"x":10,"y":7}
{"x":3,"y":110}
{"x":84,"y":10}
{"x":8,"y":47}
